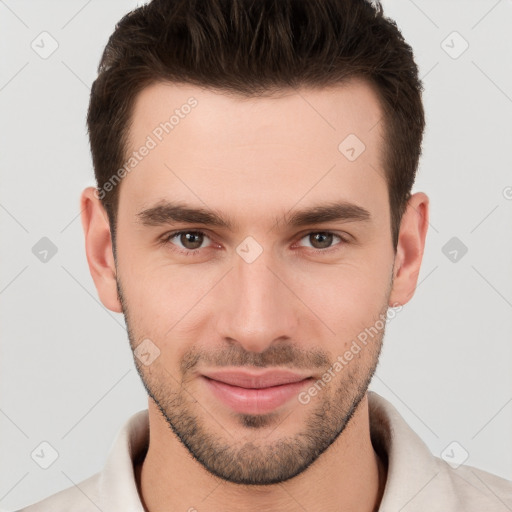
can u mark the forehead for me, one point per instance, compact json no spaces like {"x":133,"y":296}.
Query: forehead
{"x":245,"y":154}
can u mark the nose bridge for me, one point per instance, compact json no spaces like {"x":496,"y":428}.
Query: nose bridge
{"x":259,"y":308}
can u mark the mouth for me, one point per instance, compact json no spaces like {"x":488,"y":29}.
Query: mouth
{"x":255,"y":392}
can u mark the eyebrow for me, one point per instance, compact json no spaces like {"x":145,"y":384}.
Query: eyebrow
{"x":167,"y":212}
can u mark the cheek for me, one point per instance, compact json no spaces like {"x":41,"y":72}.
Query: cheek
{"x":164,"y":300}
{"x":346,"y":298}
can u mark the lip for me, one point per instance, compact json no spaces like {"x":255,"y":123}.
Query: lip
{"x":255,"y":392}
{"x":255,"y":380}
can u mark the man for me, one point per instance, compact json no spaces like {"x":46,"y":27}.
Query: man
{"x":253,"y":220}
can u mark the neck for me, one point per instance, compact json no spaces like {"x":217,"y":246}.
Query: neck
{"x":348,"y":476}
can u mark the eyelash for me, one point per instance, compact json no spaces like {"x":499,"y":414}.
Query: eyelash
{"x":166,"y":241}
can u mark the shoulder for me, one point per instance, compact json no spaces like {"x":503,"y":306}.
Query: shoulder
{"x":82,"y":497}
{"x":420,"y":481}
{"x":112,"y":488}
{"x":475,"y":488}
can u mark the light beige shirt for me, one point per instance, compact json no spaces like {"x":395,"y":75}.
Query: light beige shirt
{"x":416,"y":480}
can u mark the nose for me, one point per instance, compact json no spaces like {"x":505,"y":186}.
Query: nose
{"x":259,"y":308}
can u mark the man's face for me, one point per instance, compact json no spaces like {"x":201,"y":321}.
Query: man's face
{"x":268,"y":290}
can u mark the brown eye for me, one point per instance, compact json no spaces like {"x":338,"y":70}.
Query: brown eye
{"x":191,"y":240}
{"x":186,"y":240}
{"x":321,"y":239}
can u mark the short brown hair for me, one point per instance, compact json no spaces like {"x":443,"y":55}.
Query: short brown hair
{"x":252,"y":48}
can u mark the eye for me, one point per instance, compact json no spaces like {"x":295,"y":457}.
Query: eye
{"x":191,"y":242}
{"x":186,"y":241}
{"x":323,"y":240}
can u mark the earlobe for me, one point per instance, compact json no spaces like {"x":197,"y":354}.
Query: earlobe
{"x":411,"y":245}
{"x":98,"y":248}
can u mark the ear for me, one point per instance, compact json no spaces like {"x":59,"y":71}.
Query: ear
{"x":98,"y":248}
{"x":409,"y":253}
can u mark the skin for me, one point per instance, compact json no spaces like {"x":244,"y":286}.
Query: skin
{"x":256,"y":161}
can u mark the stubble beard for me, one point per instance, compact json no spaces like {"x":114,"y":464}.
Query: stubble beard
{"x":259,"y":461}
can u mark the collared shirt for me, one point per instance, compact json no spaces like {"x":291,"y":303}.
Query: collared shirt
{"x":417,"y":481}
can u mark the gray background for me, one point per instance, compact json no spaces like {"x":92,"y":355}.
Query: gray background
{"x":67,"y":374}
